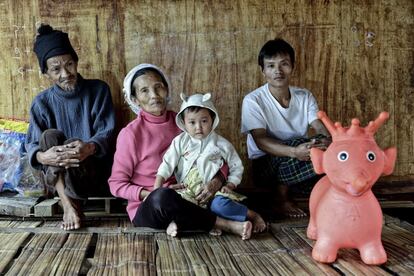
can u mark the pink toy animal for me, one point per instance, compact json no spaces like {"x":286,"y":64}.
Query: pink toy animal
{"x":344,"y":212}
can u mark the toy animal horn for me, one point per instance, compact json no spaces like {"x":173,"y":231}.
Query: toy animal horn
{"x":373,"y":126}
{"x":327,"y":122}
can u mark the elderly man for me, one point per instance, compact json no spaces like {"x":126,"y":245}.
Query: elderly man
{"x":71,"y":127}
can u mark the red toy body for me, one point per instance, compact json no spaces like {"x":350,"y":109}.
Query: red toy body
{"x":344,"y":213}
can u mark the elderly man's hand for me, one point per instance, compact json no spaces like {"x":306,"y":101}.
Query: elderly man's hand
{"x":67,"y":156}
{"x":58,"y":156}
{"x":209,"y":190}
{"x":82,"y":150}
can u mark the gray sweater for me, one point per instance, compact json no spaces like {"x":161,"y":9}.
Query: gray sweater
{"x":86,"y":114}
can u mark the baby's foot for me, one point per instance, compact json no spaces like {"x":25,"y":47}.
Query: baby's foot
{"x":172,"y":229}
{"x":243,"y":229}
{"x":246,"y":230}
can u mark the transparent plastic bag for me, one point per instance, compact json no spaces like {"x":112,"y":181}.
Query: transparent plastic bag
{"x":26,"y":181}
{"x":15,"y":172}
{"x":10,"y":143}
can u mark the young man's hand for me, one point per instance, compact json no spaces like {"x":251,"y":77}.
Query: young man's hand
{"x":302,"y":151}
{"x":322,"y":143}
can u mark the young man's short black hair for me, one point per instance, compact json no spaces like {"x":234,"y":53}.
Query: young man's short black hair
{"x":276,"y":47}
{"x":144,"y":71}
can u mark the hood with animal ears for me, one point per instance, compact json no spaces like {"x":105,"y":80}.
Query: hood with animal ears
{"x":201,"y":100}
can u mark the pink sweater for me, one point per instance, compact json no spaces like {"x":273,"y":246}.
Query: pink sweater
{"x":139,"y":150}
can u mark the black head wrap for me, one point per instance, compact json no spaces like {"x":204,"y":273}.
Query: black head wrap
{"x":50,"y":43}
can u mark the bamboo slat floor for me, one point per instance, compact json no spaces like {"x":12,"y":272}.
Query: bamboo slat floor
{"x":111,"y":246}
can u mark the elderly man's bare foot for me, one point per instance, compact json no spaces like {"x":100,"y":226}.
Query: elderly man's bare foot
{"x":172,"y":229}
{"x":259,"y":225}
{"x":290,"y":210}
{"x":243,"y":229}
{"x":71,"y":218}
{"x":72,"y":213}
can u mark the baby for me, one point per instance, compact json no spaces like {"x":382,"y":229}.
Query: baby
{"x":196,"y":155}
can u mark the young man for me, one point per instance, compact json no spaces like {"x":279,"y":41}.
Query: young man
{"x":276,"y":118}
{"x":71,"y":130}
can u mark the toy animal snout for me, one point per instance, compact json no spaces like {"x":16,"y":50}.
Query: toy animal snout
{"x":359,"y":185}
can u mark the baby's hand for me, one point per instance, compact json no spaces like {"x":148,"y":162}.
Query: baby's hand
{"x":228,"y":188}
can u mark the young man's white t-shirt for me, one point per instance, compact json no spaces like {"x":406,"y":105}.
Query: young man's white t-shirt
{"x":261,"y":110}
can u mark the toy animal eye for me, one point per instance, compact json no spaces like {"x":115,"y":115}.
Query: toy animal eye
{"x":343,"y":156}
{"x":371,"y":156}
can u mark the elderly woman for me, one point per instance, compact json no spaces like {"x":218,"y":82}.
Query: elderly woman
{"x":139,"y":151}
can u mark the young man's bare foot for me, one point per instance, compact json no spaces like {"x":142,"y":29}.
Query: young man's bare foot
{"x":243,"y":229}
{"x":290,"y":210}
{"x":259,"y":225}
{"x":172,"y":229}
{"x":287,"y":208}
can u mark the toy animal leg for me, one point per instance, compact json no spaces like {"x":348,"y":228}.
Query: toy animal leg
{"x":311,"y":231}
{"x":317,"y":193}
{"x":325,"y":251}
{"x":373,"y":253}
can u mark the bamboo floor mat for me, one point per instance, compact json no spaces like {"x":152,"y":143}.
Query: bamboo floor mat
{"x":113,"y":247}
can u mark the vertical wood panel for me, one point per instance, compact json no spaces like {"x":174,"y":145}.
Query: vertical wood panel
{"x":404,"y":104}
{"x":213,"y":46}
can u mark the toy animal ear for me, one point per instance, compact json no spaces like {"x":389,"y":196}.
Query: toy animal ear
{"x":183,"y":97}
{"x":317,"y":160}
{"x":390,"y":155}
{"x":206,"y":97}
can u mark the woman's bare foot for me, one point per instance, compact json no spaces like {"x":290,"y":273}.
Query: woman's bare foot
{"x":259,"y":225}
{"x":244,"y":229}
{"x":172,"y":229}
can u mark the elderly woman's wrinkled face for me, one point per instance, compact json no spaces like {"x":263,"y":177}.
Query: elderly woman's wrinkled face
{"x":151,"y":93}
{"x":63,"y":71}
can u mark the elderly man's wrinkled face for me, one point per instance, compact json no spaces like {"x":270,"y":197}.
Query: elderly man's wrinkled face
{"x":151,"y":93}
{"x":63,"y":71}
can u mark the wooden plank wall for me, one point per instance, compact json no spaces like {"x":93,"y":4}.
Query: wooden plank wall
{"x":357,"y":57}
